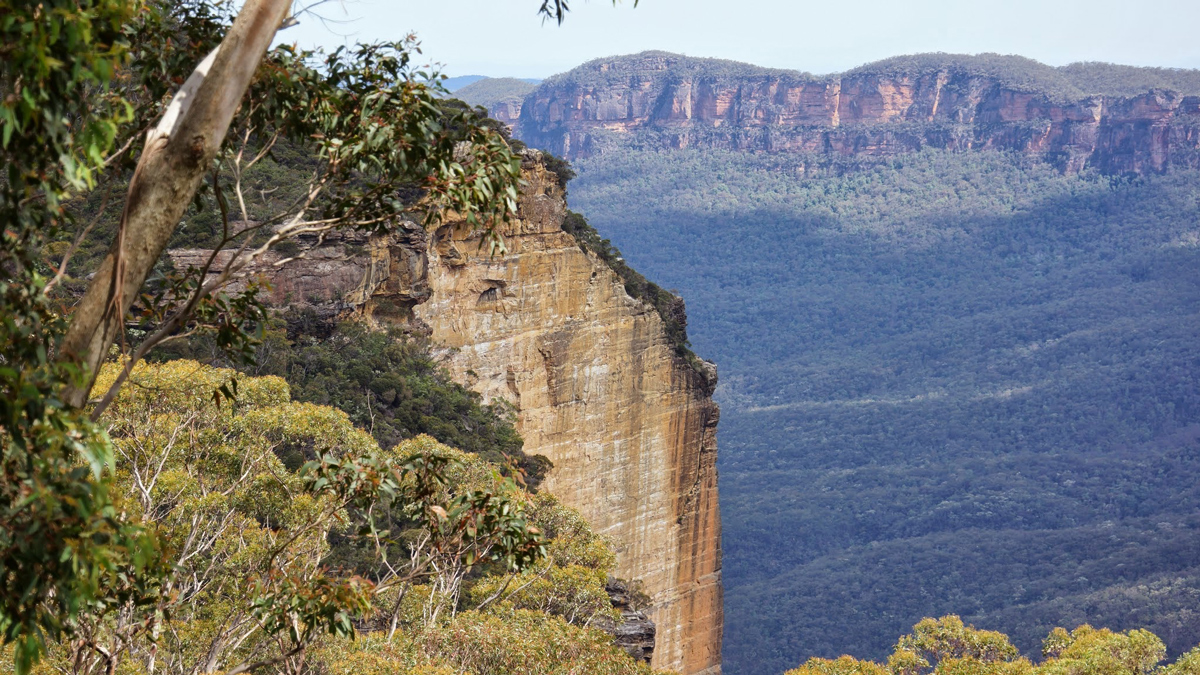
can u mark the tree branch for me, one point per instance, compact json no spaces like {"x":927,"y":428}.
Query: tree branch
{"x":177,"y":154}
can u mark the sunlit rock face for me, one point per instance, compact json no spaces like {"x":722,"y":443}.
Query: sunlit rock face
{"x":629,"y":425}
{"x":757,"y":109}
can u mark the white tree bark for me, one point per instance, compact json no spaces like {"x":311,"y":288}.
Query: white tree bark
{"x":177,"y":153}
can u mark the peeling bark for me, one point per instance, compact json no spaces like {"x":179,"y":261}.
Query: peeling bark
{"x":176,"y":155}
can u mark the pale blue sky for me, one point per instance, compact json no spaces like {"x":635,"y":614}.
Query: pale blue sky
{"x":505,"y":37}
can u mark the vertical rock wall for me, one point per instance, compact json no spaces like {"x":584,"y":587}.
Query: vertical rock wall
{"x":679,"y":102}
{"x":630,"y":426}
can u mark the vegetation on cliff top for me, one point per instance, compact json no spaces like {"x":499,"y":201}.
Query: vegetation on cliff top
{"x":618,"y":69}
{"x":1060,"y":84}
{"x":493,"y":90}
{"x":669,"y":306}
{"x":387,"y":382}
{"x":84,"y":82}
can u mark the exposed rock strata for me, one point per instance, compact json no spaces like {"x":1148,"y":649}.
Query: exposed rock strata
{"x":635,"y":632}
{"x":649,"y":97}
{"x":507,"y":111}
{"x":629,"y":425}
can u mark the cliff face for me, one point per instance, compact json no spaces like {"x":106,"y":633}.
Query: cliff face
{"x":630,"y":427}
{"x":600,"y":391}
{"x":507,"y":111}
{"x":652,"y":97}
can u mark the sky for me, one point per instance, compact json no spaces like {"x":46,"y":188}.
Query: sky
{"x":507,"y":38}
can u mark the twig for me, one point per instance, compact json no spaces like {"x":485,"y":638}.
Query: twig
{"x":62,"y":267}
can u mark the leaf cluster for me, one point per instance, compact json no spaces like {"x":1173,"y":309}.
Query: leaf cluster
{"x":946,"y":646}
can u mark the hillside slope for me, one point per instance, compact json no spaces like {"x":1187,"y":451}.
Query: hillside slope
{"x":592,"y":375}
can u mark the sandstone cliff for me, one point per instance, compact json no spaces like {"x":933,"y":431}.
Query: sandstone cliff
{"x":629,"y":425}
{"x":501,"y":96}
{"x":664,"y":100}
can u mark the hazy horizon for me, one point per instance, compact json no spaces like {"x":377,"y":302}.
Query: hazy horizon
{"x":505,"y":38}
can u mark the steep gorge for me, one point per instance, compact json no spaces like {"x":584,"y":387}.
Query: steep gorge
{"x":598,"y":387}
{"x":657,"y":100}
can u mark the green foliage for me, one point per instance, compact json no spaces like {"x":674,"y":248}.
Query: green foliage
{"x":80,"y":83}
{"x":249,"y":538}
{"x":248,"y":535}
{"x":389,"y":384}
{"x":1088,"y":650}
{"x":936,"y":641}
{"x":951,"y":383}
{"x":946,"y":646}
{"x":843,"y":665}
{"x":65,"y":546}
{"x":503,"y":643}
{"x":670,"y":306}
{"x":519,"y":642}
{"x":569,"y":582}
{"x":1062,"y":84}
{"x":1013,"y":72}
{"x":618,"y":70}
{"x":1110,"y":79}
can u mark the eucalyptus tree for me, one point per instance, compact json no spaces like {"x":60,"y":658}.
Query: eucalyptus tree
{"x":183,"y":96}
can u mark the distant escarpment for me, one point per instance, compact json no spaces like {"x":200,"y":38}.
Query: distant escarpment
{"x":1116,"y":119}
{"x":501,"y":96}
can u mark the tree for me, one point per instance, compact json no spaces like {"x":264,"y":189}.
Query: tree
{"x":254,"y":498}
{"x":946,"y":646}
{"x":247,"y":585}
{"x":80,"y":81}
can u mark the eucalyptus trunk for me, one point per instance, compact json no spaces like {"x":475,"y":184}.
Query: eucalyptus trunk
{"x":174,"y":160}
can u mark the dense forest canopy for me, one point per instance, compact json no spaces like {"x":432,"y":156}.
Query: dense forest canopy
{"x":951,"y":383}
{"x":254,"y":485}
{"x":611,"y":70}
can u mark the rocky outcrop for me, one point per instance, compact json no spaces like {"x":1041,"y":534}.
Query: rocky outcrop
{"x":600,"y":390}
{"x":507,"y":111}
{"x":384,"y":277}
{"x":635,"y":632}
{"x":668,"y":101}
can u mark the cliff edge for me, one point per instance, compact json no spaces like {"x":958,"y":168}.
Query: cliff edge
{"x":629,"y":425}
{"x":598,"y":386}
{"x":662,"y":100}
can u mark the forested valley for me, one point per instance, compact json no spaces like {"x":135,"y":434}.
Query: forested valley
{"x":951,"y":383}
{"x":955,"y":384}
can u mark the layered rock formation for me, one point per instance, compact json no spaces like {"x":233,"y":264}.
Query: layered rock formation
{"x":628,"y":423}
{"x":635,"y":632}
{"x":501,"y":96}
{"x":669,"y":101}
